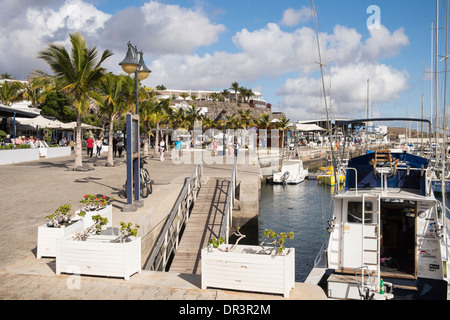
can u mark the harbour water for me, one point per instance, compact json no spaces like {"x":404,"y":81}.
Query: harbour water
{"x":304,"y":209}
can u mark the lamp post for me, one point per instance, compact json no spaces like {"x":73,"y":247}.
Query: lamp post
{"x":131,"y":65}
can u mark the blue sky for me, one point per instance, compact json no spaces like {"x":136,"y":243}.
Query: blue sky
{"x":268,"y":46}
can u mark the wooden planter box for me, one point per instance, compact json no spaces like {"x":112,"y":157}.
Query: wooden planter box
{"x":99,"y":256}
{"x":245,"y":269}
{"x":105,"y":212}
{"x":47,"y":236}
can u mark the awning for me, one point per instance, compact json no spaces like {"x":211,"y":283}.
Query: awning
{"x":73,"y":125}
{"x":308,"y":127}
{"x":40,"y":121}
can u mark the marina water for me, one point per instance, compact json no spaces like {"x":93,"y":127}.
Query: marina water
{"x":304,"y":209}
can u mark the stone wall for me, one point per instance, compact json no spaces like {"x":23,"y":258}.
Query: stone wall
{"x":215,"y":108}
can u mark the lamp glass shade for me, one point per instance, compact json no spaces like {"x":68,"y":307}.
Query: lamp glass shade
{"x":129,"y":64}
{"x":143,"y":74}
{"x":143,"y":71}
{"x":129,"y":67}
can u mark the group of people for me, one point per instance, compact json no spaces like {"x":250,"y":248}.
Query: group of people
{"x":118,"y":146}
{"x":19,"y":139}
{"x":178,"y":145}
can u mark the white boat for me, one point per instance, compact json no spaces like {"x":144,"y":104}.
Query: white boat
{"x":387,"y":237}
{"x":292,"y":172}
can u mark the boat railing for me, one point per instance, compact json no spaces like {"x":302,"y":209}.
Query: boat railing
{"x":384,"y":175}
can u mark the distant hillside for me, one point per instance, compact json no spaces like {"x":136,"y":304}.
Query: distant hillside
{"x":394,"y":132}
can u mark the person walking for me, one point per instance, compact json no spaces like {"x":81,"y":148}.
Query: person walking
{"x":236,"y":148}
{"x":178,"y":144}
{"x":99,"y":145}
{"x":162,"y":147}
{"x":120,"y":147}
{"x":115,"y":146}
{"x":90,"y":146}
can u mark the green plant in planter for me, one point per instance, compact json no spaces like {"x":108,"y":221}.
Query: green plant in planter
{"x":96,"y":228}
{"x":60,"y":216}
{"x":127,"y":230}
{"x":275,"y":240}
{"x":95,"y":202}
{"x":215,"y":243}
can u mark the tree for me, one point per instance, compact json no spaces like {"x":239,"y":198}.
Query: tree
{"x":283,"y":124}
{"x":225,"y":93}
{"x":78,"y":72}
{"x":264,"y":121}
{"x":9,"y":92}
{"x":112,"y":97}
{"x":57,"y":104}
{"x":235,"y":87}
{"x":5,"y":75}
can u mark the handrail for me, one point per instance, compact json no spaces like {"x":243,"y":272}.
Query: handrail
{"x":228,"y":216}
{"x":169,"y":240}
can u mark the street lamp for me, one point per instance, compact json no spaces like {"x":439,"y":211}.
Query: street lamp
{"x":131,"y":65}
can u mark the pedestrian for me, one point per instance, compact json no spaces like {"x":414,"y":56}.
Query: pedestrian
{"x":7,"y":139}
{"x":120,"y":147}
{"x":162,"y":148}
{"x":115,"y":145}
{"x":215,"y":144}
{"x":99,"y":145}
{"x":178,"y":144}
{"x":90,"y":146}
{"x":236,"y":148}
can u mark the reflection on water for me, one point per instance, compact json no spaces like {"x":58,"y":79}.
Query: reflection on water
{"x":305,"y":209}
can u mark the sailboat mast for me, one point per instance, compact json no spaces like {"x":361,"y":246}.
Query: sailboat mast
{"x":444,"y":125}
{"x":325,"y":97}
{"x":436,"y":77}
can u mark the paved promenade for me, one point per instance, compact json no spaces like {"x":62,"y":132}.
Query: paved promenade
{"x":35,"y":189}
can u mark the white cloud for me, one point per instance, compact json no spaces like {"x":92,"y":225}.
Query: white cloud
{"x":302,"y":97}
{"x":292,"y":17}
{"x":170,"y":35}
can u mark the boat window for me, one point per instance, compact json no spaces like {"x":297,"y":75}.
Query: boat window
{"x":354,"y":212}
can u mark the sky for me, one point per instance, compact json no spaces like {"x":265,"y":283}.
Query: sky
{"x":268,"y":46}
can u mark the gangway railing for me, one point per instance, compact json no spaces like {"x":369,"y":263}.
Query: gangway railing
{"x":227,"y":221}
{"x":179,"y":216}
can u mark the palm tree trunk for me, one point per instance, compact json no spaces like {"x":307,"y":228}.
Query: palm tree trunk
{"x":78,"y":144}
{"x":110,"y":159}
{"x":146,"y":136}
{"x":156,"y":139}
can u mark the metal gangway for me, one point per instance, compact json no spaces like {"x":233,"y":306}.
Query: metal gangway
{"x":202,"y":211}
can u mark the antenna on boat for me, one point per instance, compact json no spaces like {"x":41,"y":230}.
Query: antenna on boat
{"x":329,"y":127}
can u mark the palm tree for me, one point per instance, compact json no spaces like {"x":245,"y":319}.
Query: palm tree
{"x":111,"y":98}
{"x":10,"y":92}
{"x":147,"y":112}
{"x":225,"y":93}
{"x":264,"y":121}
{"x":78,"y":72}
{"x":245,"y":120}
{"x":283,"y":124}
{"x":235,"y":87}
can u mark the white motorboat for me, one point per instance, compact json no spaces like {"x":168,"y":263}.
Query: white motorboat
{"x":292,"y":172}
{"x":387,"y":231}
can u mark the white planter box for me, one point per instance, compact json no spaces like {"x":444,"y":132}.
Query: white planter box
{"x":244,"y":269}
{"x":46,"y":243}
{"x":98,"y":256}
{"x":106,"y":213}
{"x":55,"y":152}
{"x":18,"y":155}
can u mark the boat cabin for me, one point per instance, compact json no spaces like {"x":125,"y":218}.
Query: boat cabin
{"x":385,"y":221}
